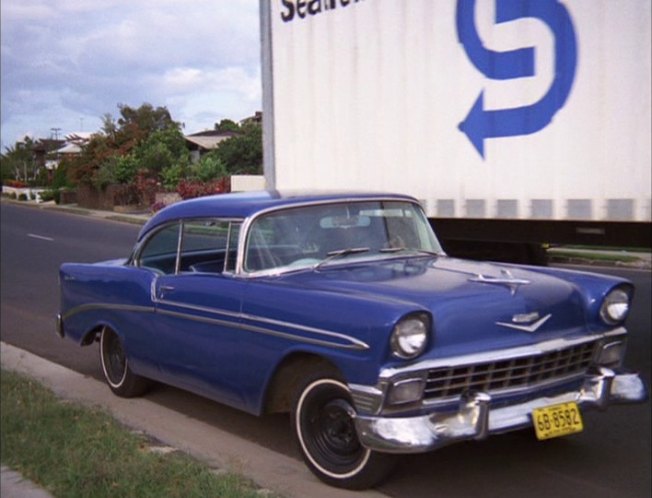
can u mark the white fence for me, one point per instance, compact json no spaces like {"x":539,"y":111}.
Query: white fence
{"x":31,"y":193}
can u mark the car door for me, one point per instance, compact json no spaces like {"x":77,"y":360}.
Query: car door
{"x":198,"y":304}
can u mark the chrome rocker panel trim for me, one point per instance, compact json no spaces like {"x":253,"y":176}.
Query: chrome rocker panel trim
{"x":476,"y":419}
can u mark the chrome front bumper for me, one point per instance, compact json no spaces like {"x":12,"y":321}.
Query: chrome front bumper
{"x":476,"y":419}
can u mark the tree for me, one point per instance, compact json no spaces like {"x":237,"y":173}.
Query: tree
{"x":227,"y":125}
{"x":109,"y":126}
{"x":209,"y":167}
{"x":161,"y":149}
{"x":145,"y":118}
{"x":142,"y":139}
{"x":243,"y":154}
{"x":18,"y":161}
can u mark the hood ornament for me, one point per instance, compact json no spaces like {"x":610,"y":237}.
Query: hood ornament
{"x":527,"y":322}
{"x":507,"y":280}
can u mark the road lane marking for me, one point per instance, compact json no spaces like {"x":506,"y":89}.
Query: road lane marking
{"x":40,"y":237}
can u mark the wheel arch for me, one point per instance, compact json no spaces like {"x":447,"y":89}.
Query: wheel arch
{"x":287,"y":377}
{"x":93,"y":334}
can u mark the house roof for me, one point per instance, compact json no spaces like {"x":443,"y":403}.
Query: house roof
{"x":69,"y":148}
{"x":79,"y":136}
{"x":207,"y":142}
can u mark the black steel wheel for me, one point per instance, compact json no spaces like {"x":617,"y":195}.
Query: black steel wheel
{"x":323,"y":422}
{"x":115,"y":367}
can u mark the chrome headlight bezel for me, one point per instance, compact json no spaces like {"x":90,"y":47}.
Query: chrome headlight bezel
{"x":615,"y":306}
{"x":411,"y":336}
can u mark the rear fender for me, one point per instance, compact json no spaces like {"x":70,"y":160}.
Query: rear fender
{"x":103,"y":294}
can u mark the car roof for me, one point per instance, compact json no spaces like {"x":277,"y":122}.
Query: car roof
{"x":245,"y":204}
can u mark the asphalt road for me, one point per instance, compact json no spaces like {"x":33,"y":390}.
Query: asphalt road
{"x":611,"y":458}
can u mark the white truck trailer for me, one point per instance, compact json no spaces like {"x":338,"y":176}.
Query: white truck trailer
{"x":513,"y":121}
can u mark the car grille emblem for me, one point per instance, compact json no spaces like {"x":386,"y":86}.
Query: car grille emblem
{"x":527,"y":322}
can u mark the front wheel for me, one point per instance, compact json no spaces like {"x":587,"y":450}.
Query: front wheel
{"x":323,"y":422}
{"x":115,"y":367}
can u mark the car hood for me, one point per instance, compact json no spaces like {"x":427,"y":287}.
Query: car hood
{"x":469,"y":301}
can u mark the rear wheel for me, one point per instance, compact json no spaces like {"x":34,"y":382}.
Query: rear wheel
{"x":115,"y":367}
{"x":323,"y":422}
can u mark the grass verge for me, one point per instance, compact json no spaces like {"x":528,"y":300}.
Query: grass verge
{"x":74,"y":451}
{"x":562,"y":256}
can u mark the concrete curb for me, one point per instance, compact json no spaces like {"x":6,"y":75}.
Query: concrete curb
{"x":217,"y":448}
{"x":13,"y":485}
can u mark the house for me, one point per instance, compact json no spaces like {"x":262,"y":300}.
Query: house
{"x":204,"y":141}
{"x":45,"y":150}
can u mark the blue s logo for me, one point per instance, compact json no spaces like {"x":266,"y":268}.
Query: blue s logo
{"x":481,"y":124}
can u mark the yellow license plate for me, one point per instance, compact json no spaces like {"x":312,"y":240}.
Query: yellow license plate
{"x":557,"y":420}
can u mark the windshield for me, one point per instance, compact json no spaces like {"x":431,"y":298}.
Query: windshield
{"x":314,"y":236}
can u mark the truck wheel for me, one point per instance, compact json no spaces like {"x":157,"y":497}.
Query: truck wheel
{"x":115,"y":367}
{"x":323,"y":423}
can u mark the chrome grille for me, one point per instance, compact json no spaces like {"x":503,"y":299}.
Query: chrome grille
{"x":509,"y":373}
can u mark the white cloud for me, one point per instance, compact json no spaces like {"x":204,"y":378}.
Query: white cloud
{"x":73,"y":60}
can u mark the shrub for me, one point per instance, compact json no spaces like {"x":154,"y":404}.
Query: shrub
{"x":156,"y":207}
{"x":47,"y":195}
{"x":15,"y":183}
{"x":190,"y":189}
{"x":126,"y":168}
{"x":22,"y":197}
{"x":147,"y":187}
{"x":60,"y":178}
{"x":210,"y":167}
{"x":172,"y":175}
{"x":126,"y":195}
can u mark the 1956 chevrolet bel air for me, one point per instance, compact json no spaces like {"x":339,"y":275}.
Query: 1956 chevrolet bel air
{"x":344,"y":310}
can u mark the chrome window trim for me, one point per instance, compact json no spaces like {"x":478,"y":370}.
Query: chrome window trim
{"x":244,"y":233}
{"x":177,"y":263}
{"x":138,"y":251}
{"x":135,"y":259}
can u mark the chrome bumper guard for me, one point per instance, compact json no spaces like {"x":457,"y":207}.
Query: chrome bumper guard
{"x":476,"y":419}
{"x":59,"y":326}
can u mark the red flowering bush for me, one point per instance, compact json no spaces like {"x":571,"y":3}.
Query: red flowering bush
{"x":189,"y":189}
{"x":15,"y":183}
{"x":146,"y":187}
{"x":157,"y":206}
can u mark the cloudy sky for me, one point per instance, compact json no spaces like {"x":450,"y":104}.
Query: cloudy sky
{"x":66,"y":63}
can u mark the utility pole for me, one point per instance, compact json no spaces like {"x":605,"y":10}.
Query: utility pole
{"x":56,"y":132}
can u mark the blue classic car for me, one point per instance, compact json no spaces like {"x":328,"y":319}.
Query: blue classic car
{"x":343,"y":310}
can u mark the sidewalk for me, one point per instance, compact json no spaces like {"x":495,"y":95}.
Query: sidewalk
{"x":13,"y":485}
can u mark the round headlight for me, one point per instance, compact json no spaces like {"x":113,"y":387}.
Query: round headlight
{"x":410,"y":336}
{"x":615,"y":307}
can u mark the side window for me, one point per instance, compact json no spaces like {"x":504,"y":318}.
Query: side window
{"x":206,"y":246}
{"x":160,"y":251}
{"x":234,"y":237}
